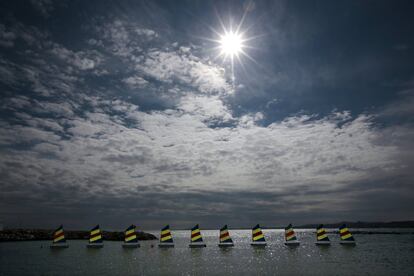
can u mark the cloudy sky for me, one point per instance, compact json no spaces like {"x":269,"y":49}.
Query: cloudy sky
{"x":119,"y":112}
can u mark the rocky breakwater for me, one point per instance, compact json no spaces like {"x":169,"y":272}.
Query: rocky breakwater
{"x":41,"y":234}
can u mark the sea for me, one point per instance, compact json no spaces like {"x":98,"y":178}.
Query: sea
{"x":374,"y":254}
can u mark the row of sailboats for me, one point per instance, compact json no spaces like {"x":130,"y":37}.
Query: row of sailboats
{"x":225,"y":240}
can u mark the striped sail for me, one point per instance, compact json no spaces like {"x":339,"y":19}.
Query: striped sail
{"x":289,"y":233}
{"x":196,"y":234}
{"x":224,"y":235}
{"x":321,"y":234}
{"x":130,"y":235}
{"x":59,"y":235}
{"x":95,"y":236}
{"x":166,"y":236}
{"x":345,"y":234}
{"x":257,"y":234}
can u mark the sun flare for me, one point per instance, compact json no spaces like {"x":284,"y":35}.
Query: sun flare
{"x":231,"y":44}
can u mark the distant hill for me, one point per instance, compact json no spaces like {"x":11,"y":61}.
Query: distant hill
{"x":41,"y":234}
{"x":363,"y":224}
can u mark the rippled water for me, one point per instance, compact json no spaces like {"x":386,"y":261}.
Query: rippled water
{"x":374,"y":255}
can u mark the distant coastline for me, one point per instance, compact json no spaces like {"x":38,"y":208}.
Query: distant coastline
{"x":364,"y":224}
{"x":350,"y":224}
{"x":42,"y":234}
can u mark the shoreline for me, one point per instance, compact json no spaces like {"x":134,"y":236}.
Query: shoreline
{"x":46,"y":234}
{"x":13,"y":235}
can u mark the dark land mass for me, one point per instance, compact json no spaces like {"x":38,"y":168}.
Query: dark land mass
{"x":41,"y":234}
{"x":362,"y":224}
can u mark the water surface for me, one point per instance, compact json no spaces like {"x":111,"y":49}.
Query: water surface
{"x":376,"y":254}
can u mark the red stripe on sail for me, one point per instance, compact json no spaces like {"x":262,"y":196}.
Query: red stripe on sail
{"x":195,"y":235}
{"x":165,"y":235}
{"x":93,"y":236}
{"x":320,"y":233}
{"x":224,"y":235}
{"x":257,"y":234}
{"x":289,"y":232}
{"x":130,"y":235}
{"x":59,"y":235}
{"x":345,"y":233}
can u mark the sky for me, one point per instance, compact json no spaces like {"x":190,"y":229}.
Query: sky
{"x":120,"y":112}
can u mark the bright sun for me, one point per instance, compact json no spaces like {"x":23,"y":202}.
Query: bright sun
{"x":231,"y":44}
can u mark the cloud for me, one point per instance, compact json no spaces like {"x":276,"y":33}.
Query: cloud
{"x":123,"y":39}
{"x":82,"y":131}
{"x":403,"y":106}
{"x":135,"y":82}
{"x":209,"y":109}
{"x":81,"y":60}
{"x":45,"y":7}
{"x":185,"y":69}
{"x":7,"y":38}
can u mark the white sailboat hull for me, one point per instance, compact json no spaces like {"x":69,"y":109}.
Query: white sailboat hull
{"x":59,"y":245}
{"x":94,"y":245}
{"x":348,"y":242}
{"x":131,"y":245}
{"x":197,"y":244}
{"x":292,"y":243}
{"x":226,"y":244}
{"x":260,"y":243}
{"x":323,"y":242}
{"x":166,"y":245}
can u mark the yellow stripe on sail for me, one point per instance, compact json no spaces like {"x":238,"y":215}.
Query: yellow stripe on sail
{"x":225,"y":238}
{"x":195,"y":238}
{"x":59,"y":238}
{"x":320,"y":230}
{"x":96,"y":238}
{"x":129,"y":232}
{"x":165,"y":232}
{"x":258,"y":237}
{"x":322,"y":237}
{"x":346,"y":237}
{"x":343,"y":230}
{"x":60,"y":231}
{"x":195,"y":231}
{"x":166,"y":238}
{"x":97,"y":231}
{"x":257,"y":231}
{"x":130,"y":238}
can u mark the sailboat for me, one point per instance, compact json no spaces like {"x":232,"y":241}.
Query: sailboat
{"x":290,"y":236}
{"x":196,"y":238}
{"x":59,"y":240}
{"x":166,"y":239}
{"x":95,"y":238}
{"x":346,"y":236}
{"x":258,"y":238}
{"x":130,"y":239}
{"x":321,"y":237}
{"x":225,"y":239}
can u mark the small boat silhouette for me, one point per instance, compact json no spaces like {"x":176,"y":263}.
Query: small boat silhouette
{"x":346,"y":236}
{"x":321,"y":237}
{"x":166,"y":239}
{"x":59,"y":240}
{"x":290,"y":236}
{"x":95,"y":238}
{"x":196,"y":238}
{"x":130,"y":239}
{"x":258,"y":238}
{"x":225,"y":239}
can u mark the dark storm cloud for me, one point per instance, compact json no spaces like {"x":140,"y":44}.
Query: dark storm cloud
{"x":120,"y":113}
